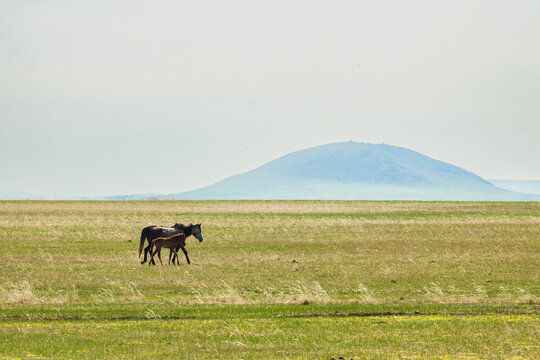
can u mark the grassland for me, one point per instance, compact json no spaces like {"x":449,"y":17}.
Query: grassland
{"x":272,"y":279}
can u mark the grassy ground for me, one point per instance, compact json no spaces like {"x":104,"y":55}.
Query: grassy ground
{"x":273,"y":279}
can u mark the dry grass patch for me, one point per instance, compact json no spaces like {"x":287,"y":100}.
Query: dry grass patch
{"x":260,"y":207}
{"x":22,"y":293}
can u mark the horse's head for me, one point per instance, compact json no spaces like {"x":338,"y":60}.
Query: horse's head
{"x":196,"y":231}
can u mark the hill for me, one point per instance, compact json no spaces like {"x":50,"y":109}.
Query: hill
{"x":351,"y":171}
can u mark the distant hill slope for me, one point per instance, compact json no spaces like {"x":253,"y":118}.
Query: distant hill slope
{"x":524,"y":186}
{"x":351,"y":171}
{"x":131,"y":196}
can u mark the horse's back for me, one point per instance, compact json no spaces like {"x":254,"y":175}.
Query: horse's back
{"x":166,"y":231}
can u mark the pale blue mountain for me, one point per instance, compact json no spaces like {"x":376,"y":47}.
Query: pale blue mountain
{"x":355,"y":171}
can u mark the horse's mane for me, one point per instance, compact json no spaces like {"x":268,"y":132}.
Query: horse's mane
{"x":185,"y":228}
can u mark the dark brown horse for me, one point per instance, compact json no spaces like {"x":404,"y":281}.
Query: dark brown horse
{"x":152,"y":232}
{"x":171,"y":243}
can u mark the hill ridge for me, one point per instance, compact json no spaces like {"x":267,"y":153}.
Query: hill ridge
{"x":355,"y":171}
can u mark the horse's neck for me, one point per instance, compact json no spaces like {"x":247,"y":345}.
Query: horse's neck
{"x":167,"y":232}
{"x":187,"y":231}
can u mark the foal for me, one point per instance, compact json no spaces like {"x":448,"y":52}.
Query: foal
{"x":171,"y":243}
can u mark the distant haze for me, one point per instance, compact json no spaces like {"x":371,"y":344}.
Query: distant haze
{"x":102,"y":98}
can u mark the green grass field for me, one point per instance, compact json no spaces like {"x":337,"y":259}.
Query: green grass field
{"x":272,"y":279}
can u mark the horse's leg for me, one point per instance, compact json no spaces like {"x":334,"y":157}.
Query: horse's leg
{"x":185,"y":253}
{"x":148,"y":250}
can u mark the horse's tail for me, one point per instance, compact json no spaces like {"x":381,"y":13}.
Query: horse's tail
{"x":144,"y":235}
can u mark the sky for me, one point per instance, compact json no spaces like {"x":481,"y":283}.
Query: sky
{"x":121,"y":97}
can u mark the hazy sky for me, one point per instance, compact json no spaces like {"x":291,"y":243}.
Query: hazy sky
{"x":116,"y":97}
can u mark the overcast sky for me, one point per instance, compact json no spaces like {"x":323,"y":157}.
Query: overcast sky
{"x":118,"y":97}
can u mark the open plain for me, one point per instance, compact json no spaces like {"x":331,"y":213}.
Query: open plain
{"x":272,"y":279}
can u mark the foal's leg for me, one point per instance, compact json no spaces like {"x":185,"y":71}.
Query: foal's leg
{"x":159,"y":256}
{"x":152,"y":258}
{"x":172,"y":254}
{"x":151,"y":248}
{"x":176,"y":257}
